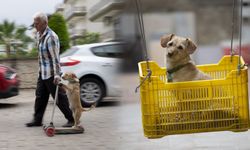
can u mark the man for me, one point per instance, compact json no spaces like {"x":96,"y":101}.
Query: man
{"x":49,"y":72}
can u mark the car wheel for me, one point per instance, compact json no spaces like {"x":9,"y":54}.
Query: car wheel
{"x":91,"y":91}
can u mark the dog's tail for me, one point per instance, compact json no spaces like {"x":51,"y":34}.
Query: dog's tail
{"x":91,"y":107}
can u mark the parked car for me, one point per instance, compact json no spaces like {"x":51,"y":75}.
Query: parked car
{"x":9,"y":83}
{"x":97,"y":67}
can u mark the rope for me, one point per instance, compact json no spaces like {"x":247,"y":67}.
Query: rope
{"x":233,"y":19}
{"x":142,"y":32}
{"x":240,"y":36}
{"x":239,"y":67}
{"x":147,"y":77}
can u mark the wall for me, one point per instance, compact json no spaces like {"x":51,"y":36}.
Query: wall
{"x":27,"y":70}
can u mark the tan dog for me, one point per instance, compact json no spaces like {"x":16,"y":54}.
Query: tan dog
{"x":73,"y":94}
{"x":179,"y":65}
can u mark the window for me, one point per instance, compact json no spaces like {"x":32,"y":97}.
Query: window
{"x":113,"y":51}
{"x":69,"y":52}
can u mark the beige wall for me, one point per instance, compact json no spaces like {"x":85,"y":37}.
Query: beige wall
{"x":27,"y":70}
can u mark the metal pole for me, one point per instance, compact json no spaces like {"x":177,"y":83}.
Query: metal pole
{"x":54,"y":106}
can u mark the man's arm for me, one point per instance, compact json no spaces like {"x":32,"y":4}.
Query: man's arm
{"x":54,"y":48}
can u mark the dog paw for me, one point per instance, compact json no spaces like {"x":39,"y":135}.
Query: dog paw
{"x":60,"y":84}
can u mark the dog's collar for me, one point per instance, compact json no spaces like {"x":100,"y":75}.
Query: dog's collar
{"x":173,"y":70}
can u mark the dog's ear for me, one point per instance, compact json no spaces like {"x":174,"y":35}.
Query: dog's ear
{"x":165,"y":39}
{"x":191,"y":47}
{"x":73,"y":76}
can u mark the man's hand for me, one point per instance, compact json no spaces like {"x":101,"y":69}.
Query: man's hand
{"x":57,"y":79}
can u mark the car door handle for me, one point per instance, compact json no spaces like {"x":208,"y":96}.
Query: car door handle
{"x":107,"y":65}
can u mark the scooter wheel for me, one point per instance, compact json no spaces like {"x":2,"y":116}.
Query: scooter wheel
{"x":50,"y":131}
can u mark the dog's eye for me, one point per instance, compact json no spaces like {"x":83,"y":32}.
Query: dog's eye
{"x":180,"y":47}
{"x":170,"y":44}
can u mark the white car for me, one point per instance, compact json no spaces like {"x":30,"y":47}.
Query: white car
{"x":97,"y":66}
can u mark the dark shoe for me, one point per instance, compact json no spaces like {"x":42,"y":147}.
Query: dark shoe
{"x":33,"y":124}
{"x":68,"y":124}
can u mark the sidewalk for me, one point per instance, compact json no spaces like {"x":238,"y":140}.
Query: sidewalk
{"x":100,"y":127}
{"x":110,"y":127}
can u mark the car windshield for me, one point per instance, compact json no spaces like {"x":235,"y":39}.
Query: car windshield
{"x":69,"y":52}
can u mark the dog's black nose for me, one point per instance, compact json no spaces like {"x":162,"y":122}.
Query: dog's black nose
{"x":170,"y":54}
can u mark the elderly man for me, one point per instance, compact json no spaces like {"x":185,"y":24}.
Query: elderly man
{"x":49,"y":72}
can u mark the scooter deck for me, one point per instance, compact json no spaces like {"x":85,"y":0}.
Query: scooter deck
{"x":69,"y":130}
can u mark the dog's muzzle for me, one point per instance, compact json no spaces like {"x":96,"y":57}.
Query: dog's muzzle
{"x":170,"y":54}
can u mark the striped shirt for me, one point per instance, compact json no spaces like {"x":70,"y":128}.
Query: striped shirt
{"x":48,"y":54}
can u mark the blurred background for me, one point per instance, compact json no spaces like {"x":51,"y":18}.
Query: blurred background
{"x":77,"y":22}
{"x":207,"y":23}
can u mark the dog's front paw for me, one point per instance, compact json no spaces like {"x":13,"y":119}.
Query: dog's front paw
{"x":60,"y":84}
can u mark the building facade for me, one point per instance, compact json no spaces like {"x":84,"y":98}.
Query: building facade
{"x":75,"y":13}
{"x":108,"y":12}
{"x":91,"y":16}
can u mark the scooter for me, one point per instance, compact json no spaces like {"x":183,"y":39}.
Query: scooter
{"x":51,"y":130}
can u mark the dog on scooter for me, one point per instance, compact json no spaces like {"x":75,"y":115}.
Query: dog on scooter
{"x":180,"y":66}
{"x":73,"y":93}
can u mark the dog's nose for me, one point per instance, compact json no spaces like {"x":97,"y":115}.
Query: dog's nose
{"x":170,"y":54}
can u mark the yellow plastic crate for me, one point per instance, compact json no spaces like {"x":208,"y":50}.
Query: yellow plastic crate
{"x":220,"y":104}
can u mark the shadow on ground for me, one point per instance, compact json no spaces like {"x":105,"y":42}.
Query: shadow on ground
{"x":109,"y":103}
{"x":7,"y":105}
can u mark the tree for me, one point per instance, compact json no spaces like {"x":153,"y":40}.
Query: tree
{"x":33,"y":52}
{"x":11,"y":35}
{"x":58,"y":24}
{"x":89,"y":37}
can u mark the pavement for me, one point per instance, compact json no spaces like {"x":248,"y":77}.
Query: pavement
{"x":99,"y":125}
{"x":116,"y":125}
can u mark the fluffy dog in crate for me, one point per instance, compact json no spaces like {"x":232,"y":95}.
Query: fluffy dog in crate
{"x":180,"y":66}
{"x":73,"y":94}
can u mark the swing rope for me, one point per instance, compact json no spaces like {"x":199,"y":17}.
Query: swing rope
{"x":142,"y":32}
{"x":232,"y":38}
{"x":240,"y":37}
{"x":239,"y":67}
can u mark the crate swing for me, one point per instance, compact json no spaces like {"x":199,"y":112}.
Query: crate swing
{"x":220,"y":104}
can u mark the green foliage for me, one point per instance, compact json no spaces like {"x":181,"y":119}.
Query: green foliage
{"x":58,"y":25}
{"x":89,"y":37}
{"x":6,"y":29}
{"x":33,"y":52}
{"x":10,"y":34}
{"x":2,"y":56}
{"x":20,"y":52}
